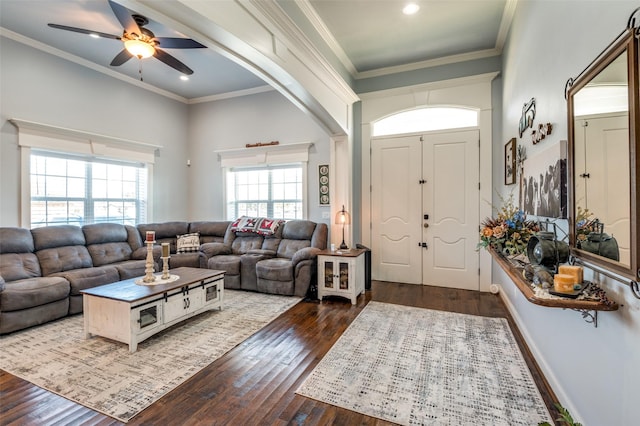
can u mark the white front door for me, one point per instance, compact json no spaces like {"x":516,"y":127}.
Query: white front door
{"x":396,"y":171}
{"x":451,"y":202}
{"x":425,"y":209}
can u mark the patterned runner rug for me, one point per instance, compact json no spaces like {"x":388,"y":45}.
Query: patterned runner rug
{"x":101,"y":374}
{"x":416,"y":366}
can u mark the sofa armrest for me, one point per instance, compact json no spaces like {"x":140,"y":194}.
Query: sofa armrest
{"x":266,"y":253}
{"x":307,"y":253}
{"x":215,"y":249}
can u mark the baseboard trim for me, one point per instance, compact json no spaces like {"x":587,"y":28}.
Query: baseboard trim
{"x":552,"y":381}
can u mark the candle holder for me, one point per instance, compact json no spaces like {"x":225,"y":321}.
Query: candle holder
{"x":165,"y":268}
{"x":148,"y":266}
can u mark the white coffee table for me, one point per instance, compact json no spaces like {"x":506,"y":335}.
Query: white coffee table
{"x":130,"y":313}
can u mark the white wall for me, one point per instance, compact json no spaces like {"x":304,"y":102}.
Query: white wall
{"x":594,"y":371}
{"x":233,"y":123}
{"x":39,"y":87}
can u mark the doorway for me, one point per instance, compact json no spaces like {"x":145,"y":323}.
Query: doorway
{"x":425,"y":208}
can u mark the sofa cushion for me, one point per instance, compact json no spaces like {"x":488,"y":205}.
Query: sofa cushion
{"x":190,"y":260}
{"x":165,"y":232}
{"x":131,"y":269}
{"x":54,"y":260}
{"x":278,"y":269}
{"x":57,"y":236}
{"x":188,"y":243}
{"x":15,"y":240}
{"x":245,"y":242}
{"x":228,"y":263}
{"x":108,"y":253}
{"x":210,"y":232}
{"x":288,"y":248}
{"x":107,"y":243}
{"x":17,"y":320}
{"x":23,"y":294}
{"x":298,"y":230}
{"x":81,"y":279}
{"x":19,"y":266}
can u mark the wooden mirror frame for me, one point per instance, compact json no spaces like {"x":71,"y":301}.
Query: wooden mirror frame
{"x":627,"y":43}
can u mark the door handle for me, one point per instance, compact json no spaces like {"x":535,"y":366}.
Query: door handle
{"x":424,"y":245}
{"x":426,"y":225}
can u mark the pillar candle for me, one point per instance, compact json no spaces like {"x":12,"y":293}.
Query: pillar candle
{"x":165,"y":249}
{"x":151,"y":236}
{"x":575,"y":271}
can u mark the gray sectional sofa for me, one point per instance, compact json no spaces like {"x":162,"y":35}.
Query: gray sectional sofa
{"x":43,"y":270}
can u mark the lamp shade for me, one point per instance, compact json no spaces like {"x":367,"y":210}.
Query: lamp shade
{"x":343,"y":217}
{"x":139,"y":48}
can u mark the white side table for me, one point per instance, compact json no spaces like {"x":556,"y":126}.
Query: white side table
{"x":341,"y":273}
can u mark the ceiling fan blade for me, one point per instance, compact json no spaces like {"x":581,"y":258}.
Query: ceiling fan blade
{"x":83,"y":31}
{"x":178,"y":43}
{"x":172,"y":62}
{"x":121,"y":58}
{"x":124,"y":17}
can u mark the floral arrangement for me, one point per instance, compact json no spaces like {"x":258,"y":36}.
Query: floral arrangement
{"x":509,"y":232}
{"x":585,"y":225}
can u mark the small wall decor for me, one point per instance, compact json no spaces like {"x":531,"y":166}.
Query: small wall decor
{"x":259,"y":144}
{"x":510,"y":162}
{"x":528,"y":114}
{"x":544,"y":187}
{"x":542,"y":132}
{"x":323,"y":184}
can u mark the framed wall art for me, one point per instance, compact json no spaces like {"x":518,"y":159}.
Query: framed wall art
{"x":545,"y":183}
{"x":323,"y":184}
{"x":510,"y":162}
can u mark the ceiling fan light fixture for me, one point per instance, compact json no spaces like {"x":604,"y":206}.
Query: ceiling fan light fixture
{"x":139,"y":48}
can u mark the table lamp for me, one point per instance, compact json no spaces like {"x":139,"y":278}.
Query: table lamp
{"x":343,"y":218}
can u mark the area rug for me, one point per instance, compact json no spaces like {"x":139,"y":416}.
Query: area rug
{"x":101,"y":374}
{"x":416,"y":366}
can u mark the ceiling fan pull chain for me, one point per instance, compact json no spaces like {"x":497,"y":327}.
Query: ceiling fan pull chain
{"x":140,"y":69}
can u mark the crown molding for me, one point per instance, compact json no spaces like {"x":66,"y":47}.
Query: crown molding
{"x":235,"y":94}
{"x":318,"y":24}
{"x":303,"y":49}
{"x":463,"y":57}
{"x":505,"y":23}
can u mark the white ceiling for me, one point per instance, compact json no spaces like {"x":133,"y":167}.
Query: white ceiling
{"x":368,"y":36}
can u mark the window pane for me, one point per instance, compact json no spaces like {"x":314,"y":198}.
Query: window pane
{"x":75,"y":191}
{"x":269,"y":191}
{"x":426,"y":119}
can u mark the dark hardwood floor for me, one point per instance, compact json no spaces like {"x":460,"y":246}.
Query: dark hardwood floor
{"x":255,"y":383}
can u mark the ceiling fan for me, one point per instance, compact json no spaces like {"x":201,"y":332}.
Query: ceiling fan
{"x":139,"y":41}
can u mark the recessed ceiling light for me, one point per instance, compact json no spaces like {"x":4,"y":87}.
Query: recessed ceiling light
{"x":410,"y":9}
{"x":184,"y":78}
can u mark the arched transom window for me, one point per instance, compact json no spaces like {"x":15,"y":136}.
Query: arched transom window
{"x":426,"y":119}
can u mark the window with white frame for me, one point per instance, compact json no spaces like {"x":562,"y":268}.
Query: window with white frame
{"x":274,"y":191}
{"x":67,"y":189}
{"x":426,"y":119}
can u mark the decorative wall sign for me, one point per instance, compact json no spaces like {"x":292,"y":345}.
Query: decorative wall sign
{"x":528,"y":114}
{"x":323,"y":182}
{"x":510,"y":162}
{"x":544,"y":188}
{"x":542,"y":132}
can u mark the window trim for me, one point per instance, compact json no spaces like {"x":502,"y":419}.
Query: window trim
{"x":44,"y":137}
{"x":271,"y":155}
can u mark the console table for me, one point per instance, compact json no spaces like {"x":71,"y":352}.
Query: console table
{"x":130,"y":313}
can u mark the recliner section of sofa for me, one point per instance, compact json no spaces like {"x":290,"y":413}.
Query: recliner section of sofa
{"x":44,"y":270}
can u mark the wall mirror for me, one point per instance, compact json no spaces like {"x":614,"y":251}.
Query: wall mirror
{"x":604,"y":157}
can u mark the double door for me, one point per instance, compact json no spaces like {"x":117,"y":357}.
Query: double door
{"x":425,"y":209}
